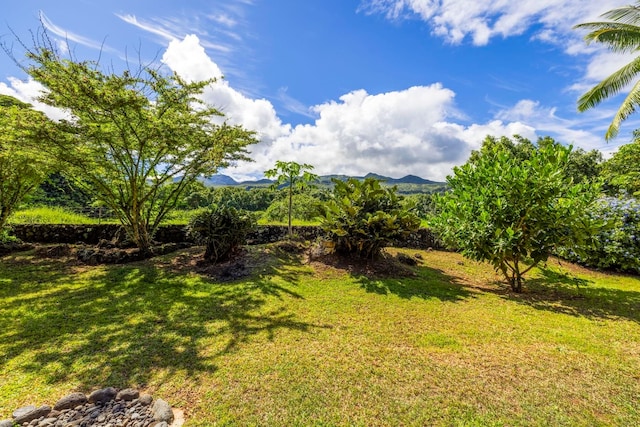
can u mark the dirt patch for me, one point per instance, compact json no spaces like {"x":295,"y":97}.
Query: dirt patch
{"x":384,"y":266}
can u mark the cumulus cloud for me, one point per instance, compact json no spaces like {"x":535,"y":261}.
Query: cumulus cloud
{"x":394,"y":133}
{"x":411,"y":131}
{"x":188,"y":58}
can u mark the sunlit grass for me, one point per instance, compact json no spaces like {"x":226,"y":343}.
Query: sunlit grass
{"x":301,"y":343}
{"x":52,"y":215}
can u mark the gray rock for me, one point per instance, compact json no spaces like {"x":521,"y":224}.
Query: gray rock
{"x":145,"y":399}
{"x":25,"y":416}
{"x":6,"y":423}
{"x":161,"y":424}
{"x":47,"y":422}
{"x":22,"y":411}
{"x":162,"y":411}
{"x":70,"y":401}
{"x":128,"y":394}
{"x":103,"y":395}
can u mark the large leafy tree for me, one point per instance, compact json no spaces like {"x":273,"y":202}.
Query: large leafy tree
{"x":513,"y":211}
{"x":621,"y":33}
{"x":136,"y":139}
{"x":23,"y":163}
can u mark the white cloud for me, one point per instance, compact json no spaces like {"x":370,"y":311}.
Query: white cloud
{"x":481,"y":20}
{"x":29,"y":91}
{"x":68,"y":36}
{"x":585,"y":132}
{"x":189,"y":59}
{"x":412,"y":131}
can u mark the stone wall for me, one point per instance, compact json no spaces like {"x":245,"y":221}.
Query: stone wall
{"x":92,"y":234}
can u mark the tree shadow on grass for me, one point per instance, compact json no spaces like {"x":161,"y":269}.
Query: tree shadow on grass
{"x":127,"y":325}
{"x":428,"y":283}
{"x":561,"y":292}
{"x":387,"y":275}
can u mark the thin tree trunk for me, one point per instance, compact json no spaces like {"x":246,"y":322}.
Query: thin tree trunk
{"x":290,"y":207}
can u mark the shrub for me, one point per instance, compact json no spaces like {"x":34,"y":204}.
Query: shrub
{"x":617,"y":244}
{"x":363,"y":217}
{"x":222,"y":229}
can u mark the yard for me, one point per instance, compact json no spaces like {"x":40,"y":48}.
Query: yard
{"x":305,"y":342}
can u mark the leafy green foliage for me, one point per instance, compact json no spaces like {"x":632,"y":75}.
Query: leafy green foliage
{"x":363,"y":217}
{"x":23,"y":163}
{"x":620,"y":33}
{"x":294,"y":176}
{"x":222,"y":229}
{"x":304,"y":207}
{"x":617,"y":244}
{"x":138,"y":139}
{"x":621,"y":173}
{"x":513,"y":211}
{"x":58,"y":190}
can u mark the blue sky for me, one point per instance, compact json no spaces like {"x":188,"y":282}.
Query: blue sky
{"x":393,"y":87}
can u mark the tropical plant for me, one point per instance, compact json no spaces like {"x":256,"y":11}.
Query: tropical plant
{"x":363,"y":217}
{"x":292,"y":176}
{"x":23,"y":162}
{"x":137,"y":139}
{"x":621,"y":33}
{"x":222,"y":229}
{"x":513,"y":212}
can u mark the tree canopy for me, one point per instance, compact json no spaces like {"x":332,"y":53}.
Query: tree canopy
{"x":23,"y":163}
{"x":512,"y":210}
{"x":135,"y":139}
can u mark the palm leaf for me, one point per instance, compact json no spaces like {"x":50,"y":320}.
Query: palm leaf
{"x":610,"y":86}
{"x":628,"y":107}
{"x":619,"y":37}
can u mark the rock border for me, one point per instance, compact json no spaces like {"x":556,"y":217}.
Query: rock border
{"x":107,"y":407}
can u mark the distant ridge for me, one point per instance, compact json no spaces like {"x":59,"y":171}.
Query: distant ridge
{"x":225,"y":180}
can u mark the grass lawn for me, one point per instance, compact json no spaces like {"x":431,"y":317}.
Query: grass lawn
{"x":299,"y":343}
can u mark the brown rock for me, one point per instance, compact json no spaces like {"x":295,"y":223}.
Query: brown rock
{"x":33,"y":413}
{"x":70,"y":401}
{"x":102,"y":396}
{"x":128,"y":394}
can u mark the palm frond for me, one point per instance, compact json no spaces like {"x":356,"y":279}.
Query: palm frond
{"x":626,"y":14}
{"x":619,"y":37}
{"x":610,"y":86}
{"x":628,"y":107}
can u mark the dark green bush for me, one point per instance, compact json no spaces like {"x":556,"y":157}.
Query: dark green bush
{"x":363,"y":217}
{"x":222,"y":229}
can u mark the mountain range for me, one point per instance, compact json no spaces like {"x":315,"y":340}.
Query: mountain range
{"x":220,"y":180}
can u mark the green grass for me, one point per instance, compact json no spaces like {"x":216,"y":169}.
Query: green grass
{"x":301,"y":343}
{"x":51,"y":215}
